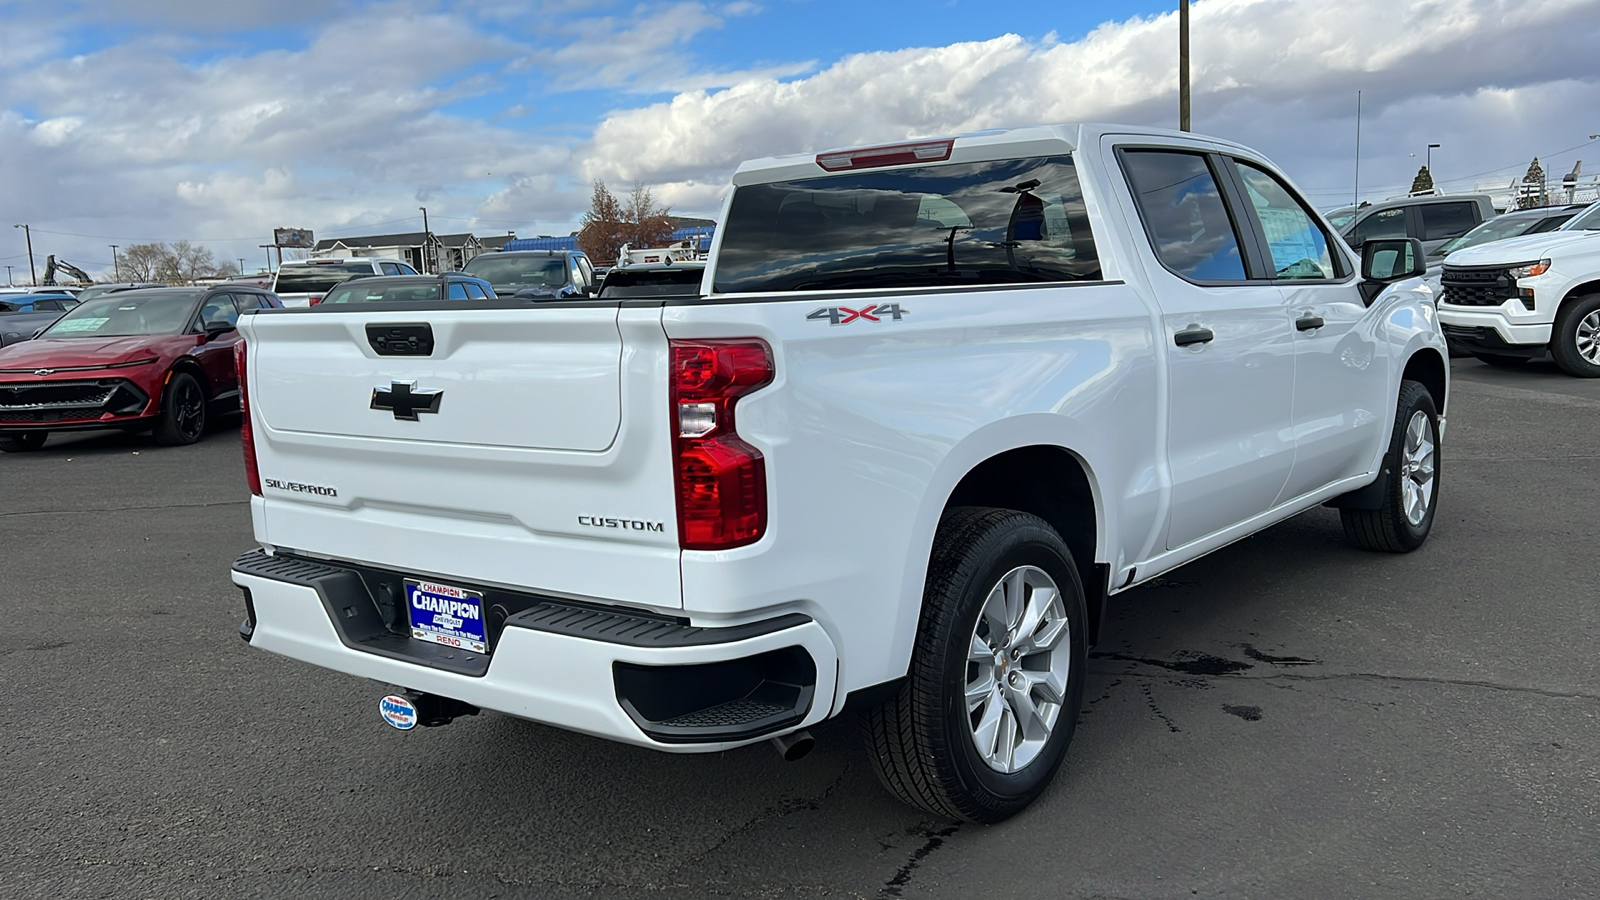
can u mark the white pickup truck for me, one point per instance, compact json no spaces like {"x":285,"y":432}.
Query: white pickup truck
{"x":1513,"y":300}
{"x":934,"y":404}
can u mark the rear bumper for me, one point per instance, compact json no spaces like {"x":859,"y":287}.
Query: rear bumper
{"x":610,"y":674}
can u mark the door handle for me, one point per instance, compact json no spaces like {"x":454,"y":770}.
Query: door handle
{"x":1309,"y":322}
{"x":1194,"y":334}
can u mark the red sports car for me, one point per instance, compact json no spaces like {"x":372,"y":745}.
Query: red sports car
{"x":159,"y":359}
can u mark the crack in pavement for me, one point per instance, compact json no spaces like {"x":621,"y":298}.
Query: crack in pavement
{"x":935,"y":840}
{"x":1375,"y":676}
{"x":97,"y":509}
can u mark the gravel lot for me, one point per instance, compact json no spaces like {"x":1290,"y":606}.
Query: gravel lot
{"x":1289,"y":717}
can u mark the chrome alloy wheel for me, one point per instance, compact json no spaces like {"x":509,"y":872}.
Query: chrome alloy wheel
{"x":1017,"y":667}
{"x":1587,"y":337}
{"x":1417,"y":468}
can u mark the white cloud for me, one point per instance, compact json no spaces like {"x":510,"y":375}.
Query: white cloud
{"x":1263,"y":72}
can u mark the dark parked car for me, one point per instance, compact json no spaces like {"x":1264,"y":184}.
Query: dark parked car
{"x":536,"y":274}
{"x":159,"y":359}
{"x":680,"y":279}
{"x":23,"y":314}
{"x":1432,"y":219}
{"x":408,"y":289}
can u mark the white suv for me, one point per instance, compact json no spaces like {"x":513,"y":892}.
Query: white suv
{"x":305,"y":283}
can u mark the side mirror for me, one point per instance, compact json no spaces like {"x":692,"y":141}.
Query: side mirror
{"x":215,"y":328}
{"x":1387,"y":260}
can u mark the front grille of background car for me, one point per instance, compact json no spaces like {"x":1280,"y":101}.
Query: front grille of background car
{"x":55,"y":401}
{"x":1476,"y":287}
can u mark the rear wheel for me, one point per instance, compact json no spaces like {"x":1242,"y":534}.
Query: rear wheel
{"x":23,"y":442}
{"x":996,"y":679}
{"x":1575,"y":340}
{"x":1410,"y":480}
{"x":183,"y":411}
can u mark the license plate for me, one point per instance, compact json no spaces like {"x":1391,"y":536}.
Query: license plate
{"x":446,"y":615}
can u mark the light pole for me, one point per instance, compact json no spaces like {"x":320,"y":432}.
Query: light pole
{"x":1183,"y":65}
{"x":116,"y":270}
{"x":32,"y":273}
{"x":427,"y":241}
{"x":241,"y":265}
{"x":8,"y":276}
{"x":1429,"y":157}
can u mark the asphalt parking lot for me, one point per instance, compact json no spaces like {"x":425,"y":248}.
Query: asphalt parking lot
{"x":1289,"y":717}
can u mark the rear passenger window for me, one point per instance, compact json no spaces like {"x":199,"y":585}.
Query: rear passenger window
{"x":458,"y":291}
{"x":1296,"y":243}
{"x":1385,"y":223}
{"x":1017,"y":221}
{"x":1441,"y":221}
{"x":1184,"y":215}
{"x":391,"y":269}
{"x":474,"y":291}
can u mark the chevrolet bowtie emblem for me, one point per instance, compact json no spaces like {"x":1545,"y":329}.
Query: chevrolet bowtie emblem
{"x":44,"y":371}
{"x":405,"y":401}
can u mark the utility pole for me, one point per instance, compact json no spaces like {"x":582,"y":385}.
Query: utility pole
{"x":241,"y":265}
{"x":116,"y":271}
{"x":8,"y":276}
{"x":1355,"y":202}
{"x":1183,"y":65}
{"x":427,"y":242}
{"x":32,"y":273}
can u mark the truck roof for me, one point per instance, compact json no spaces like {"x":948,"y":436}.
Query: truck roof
{"x":992,"y":143}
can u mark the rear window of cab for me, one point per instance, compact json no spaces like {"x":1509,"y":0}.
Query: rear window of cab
{"x":1015,"y":221}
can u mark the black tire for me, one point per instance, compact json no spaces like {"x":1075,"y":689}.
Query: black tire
{"x":1504,"y":362}
{"x":23,"y":442}
{"x":183,"y":412}
{"x":1575,"y":339}
{"x":922,"y":742}
{"x":1388,"y":528}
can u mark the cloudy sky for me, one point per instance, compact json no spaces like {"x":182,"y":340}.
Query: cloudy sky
{"x":127,"y":121}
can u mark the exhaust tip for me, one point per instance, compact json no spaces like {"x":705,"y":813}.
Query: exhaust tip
{"x":794,"y":746}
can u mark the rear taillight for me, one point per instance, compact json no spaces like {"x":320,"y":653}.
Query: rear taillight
{"x":252,"y":473}
{"x":721,"y":480}
{"x":315,"y":300}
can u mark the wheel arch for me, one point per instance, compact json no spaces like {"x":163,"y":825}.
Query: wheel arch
{"x":189,"y":366}
{"x":1578,"y":291}
{"x":1429,"y":367}
{"x":1055,"y":484}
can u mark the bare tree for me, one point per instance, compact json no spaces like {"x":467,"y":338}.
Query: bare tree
{"x":141,"y":262}
{"x":186,"y":262}
{"x":651,"y":225}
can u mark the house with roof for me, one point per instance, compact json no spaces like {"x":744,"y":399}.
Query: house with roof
{"x":452,"y":251}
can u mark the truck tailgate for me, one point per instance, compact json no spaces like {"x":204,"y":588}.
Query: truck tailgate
{"x":529,"y":449}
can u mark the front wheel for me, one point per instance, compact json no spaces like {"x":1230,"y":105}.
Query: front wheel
{"x":183,"y":411}
{"x":1575,"y":339}
{"x":996,"y":678}
{"x":23,"y":442}
{"x":1410,"y":479}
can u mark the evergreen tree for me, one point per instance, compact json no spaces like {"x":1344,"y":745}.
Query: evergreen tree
{"x":1423,"y":183}
{"x":1532,"y":191}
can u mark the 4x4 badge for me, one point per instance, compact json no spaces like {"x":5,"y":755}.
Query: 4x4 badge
{"x":844,"y":315}
{"x":405,"y":401}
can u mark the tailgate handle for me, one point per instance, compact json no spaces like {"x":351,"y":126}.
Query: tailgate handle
{"x":401,"y":338}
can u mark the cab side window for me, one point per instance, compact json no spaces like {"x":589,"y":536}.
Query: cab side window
{"x":1184,"y":214}
{"x":390,"y":268}
{"x":1442,"y":221}
{"x":474,"y":291}
{"x":1296,"y":243}
{"x":1385,"y":223}
{"x":458,"y":291}
{"x":218,"y":309}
